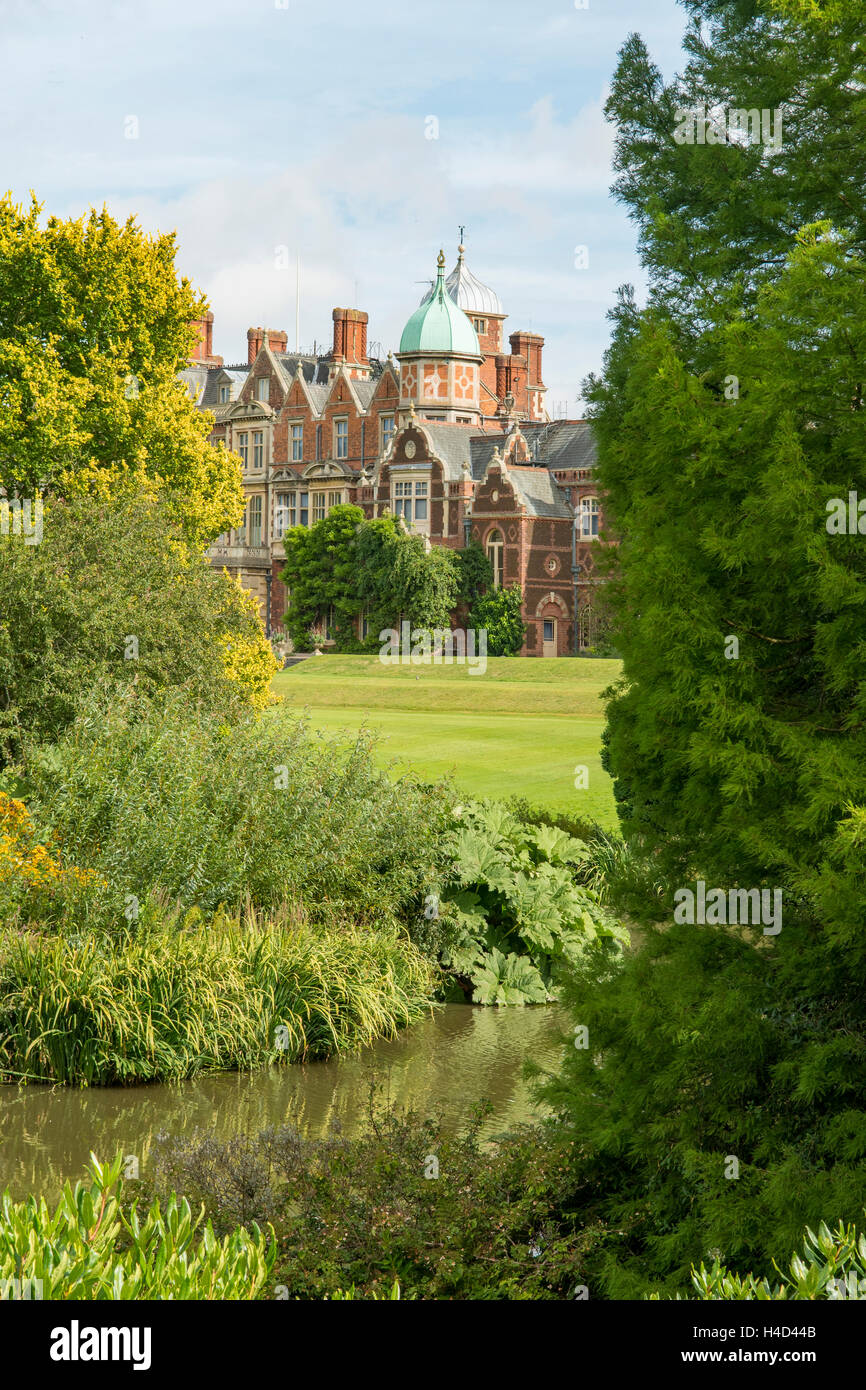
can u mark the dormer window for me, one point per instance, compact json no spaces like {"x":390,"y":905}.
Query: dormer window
{"x":225,"y":394}
{"x":263,"y":389}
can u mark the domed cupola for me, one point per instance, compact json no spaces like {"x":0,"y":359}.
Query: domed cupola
{"x":468,"y":292}
{"x":437,"y":325}
{"x":440,"y":358}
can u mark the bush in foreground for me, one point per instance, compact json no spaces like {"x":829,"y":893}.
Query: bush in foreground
{"x":520,"y":911}
{"x":448,"y":1215}
{"x":833,"y":1265}
{"x":89,"y":1249}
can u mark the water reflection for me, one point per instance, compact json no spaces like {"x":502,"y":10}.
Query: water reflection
{"x":445,"y":1065}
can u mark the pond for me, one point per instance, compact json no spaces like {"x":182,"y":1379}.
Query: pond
{"x":443,"y":1065}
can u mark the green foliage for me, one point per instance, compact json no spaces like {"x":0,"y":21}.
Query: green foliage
{"x":577,"y":826}
{"x":832,"y":1266}
{"x":716,"y":219}
{"x":516,"y":909}
{"x":735,"y":398}
{"x":474,"y":572}
{"x":88,"y":1248}
{"x":320,"y":575}
{"x":694,"y":1058}
{"x":363,"y":1214}
{"x":185,"y":995}
{"x":376,"y":567}
{"x":115,"y":597}
{"x":94,"y":327}
{"x":164,"y":798}
{"x":349,"y":1295}
{"x":498,"y":612}
{"x":399,"y":581}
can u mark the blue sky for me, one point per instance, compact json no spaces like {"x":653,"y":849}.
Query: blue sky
{"x":300,"y":126}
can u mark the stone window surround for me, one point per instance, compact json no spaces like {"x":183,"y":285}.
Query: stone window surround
{"x":497,"y":561}
{"x":321,"y":495}
{"x":589,"y":512}
{"x":341,"y":420}
{"x":292,"y":426}
{"x":420,"y":472}
{"x":387,"y":415}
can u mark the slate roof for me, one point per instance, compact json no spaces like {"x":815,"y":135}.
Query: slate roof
{"x":538,"y":491}
{"x":195,"y":380}
{"x":364,"y":390}
{"x":216,"y":378}
{"x":204,"y":382}
{"x":315,"y":369}
{"x":562,"y":443}
{"x":452,"y":444}
{"x":482,"y":452}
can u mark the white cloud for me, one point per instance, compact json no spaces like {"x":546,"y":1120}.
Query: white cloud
{"x":304,"y":128}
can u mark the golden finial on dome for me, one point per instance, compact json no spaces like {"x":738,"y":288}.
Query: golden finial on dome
{"x":440,"y":260}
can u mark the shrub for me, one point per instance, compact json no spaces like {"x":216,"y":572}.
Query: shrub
{"x":489,"y":1223}
{"x":164,"y":797}
{"x":498,"y":613}
{"x":833,"y":1266}
{"x":518,"y":909}
{"x":89,"y":1249}
{"x":32,"y":878}
{"x":114,"y":596}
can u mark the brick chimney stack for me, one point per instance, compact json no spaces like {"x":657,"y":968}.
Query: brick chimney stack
{"x":528,"y":346}
{"x":277,"y":341}
{"x":203,"y":350}
{"x":503,"y":375}
{"x":350,"y":341}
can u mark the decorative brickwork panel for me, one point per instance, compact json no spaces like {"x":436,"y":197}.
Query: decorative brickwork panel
{"x":435,"y":381}
{"x":409,"y":380}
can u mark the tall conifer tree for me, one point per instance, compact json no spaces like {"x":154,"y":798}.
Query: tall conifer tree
{"x":722,"y":1101}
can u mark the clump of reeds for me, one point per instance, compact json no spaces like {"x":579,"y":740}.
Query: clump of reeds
{"x":169,"y":1002}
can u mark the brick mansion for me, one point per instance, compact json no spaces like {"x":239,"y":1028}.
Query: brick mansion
{"x":451,"y":433}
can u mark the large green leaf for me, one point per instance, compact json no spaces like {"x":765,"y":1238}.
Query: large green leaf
{"x":555,"y":846}
{"x":510,"y":979}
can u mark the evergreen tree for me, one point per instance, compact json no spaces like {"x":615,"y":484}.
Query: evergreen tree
{"x":721,"y":1102}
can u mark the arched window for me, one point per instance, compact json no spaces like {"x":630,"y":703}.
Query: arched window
{"x":494,"y":555}
{"x":589,"y":516}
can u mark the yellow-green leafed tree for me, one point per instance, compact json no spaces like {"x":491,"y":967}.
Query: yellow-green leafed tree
{"x":95,"y":325}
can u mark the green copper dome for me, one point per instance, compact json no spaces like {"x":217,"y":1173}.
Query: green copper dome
{"x":439,"y":325}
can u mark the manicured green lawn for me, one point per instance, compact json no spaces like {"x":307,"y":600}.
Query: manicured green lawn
{"x":520,"y":729}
